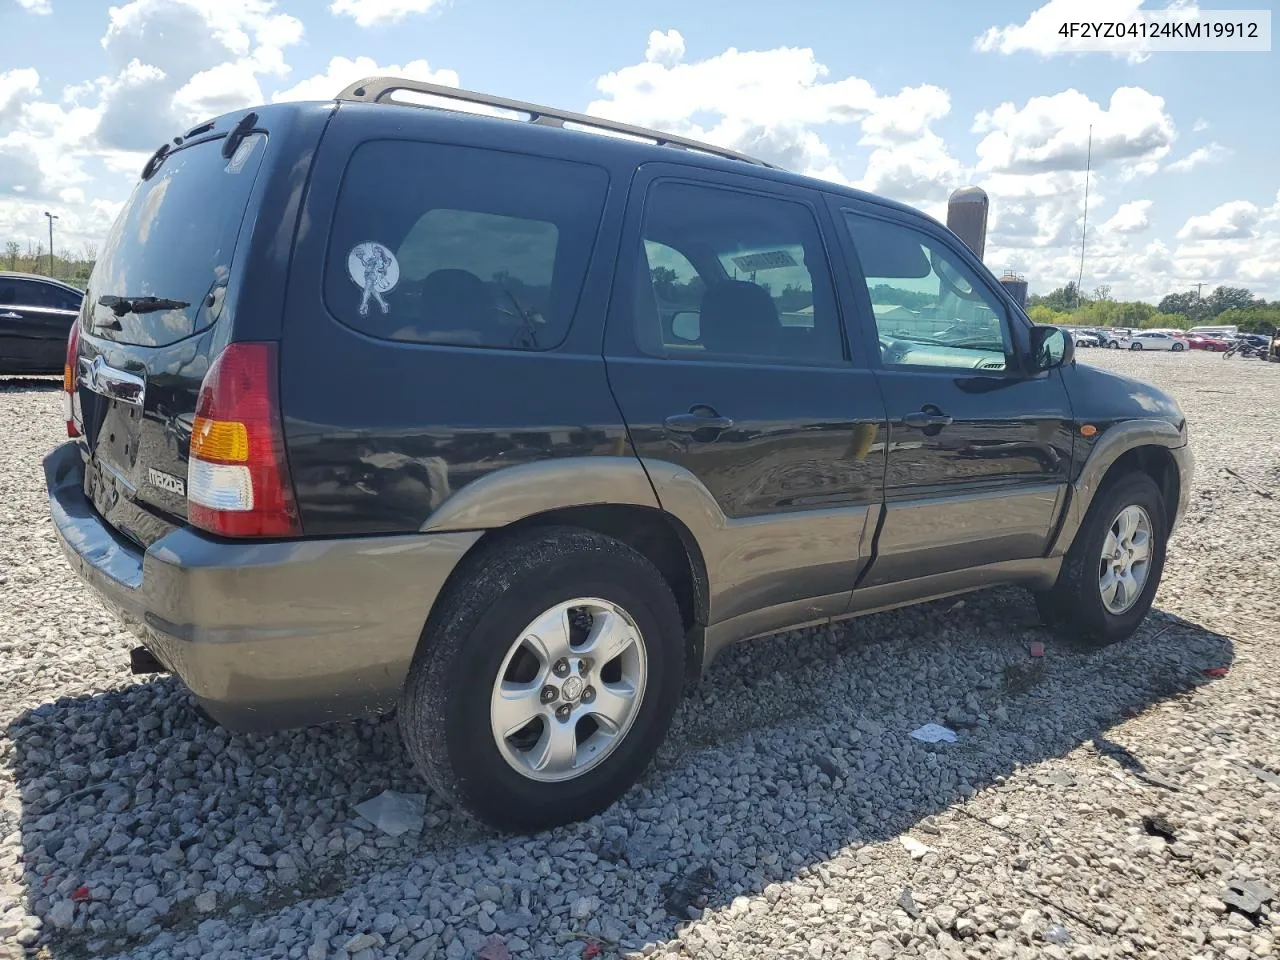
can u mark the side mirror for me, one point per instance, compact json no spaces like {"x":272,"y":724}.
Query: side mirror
{"x":1051,"y":347}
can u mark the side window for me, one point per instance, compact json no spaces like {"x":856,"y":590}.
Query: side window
{"x":678,"y":290}
{"x":454,"y":245}
{"x":930,"y":309}
{"x":8,"y":293}
{"x":64,"y":299}
{"x":28,"y":294}
{"x":734,"y":275}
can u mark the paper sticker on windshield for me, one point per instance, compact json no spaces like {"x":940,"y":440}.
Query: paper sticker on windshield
{"x":374,"y":269}
{"x":769,"y":260}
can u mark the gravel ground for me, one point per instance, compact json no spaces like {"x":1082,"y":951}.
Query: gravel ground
{"x":1094,"y":805}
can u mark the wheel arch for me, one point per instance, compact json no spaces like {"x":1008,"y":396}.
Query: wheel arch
{"x":1158,"y":463}
{"x":1149,"y":446}
{"x":655,"y":534}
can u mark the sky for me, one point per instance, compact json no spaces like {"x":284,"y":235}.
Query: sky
{"x":909,"y":100}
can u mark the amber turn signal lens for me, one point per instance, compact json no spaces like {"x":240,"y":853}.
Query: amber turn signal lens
{"x":1088,"y":430}
{"x":219,"y":441}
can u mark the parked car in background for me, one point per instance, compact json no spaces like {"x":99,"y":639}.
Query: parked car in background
{"x":1155,"y":340}
{"x":1205,"y":341}
{"x":1226,"y":331}
{"x":1118,"y":339}
{"x":1088,"y":338}
{"x":36,"y":314}
{"x":459,"y":446}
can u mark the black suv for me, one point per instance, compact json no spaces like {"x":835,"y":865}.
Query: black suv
{"x":513,"y":427}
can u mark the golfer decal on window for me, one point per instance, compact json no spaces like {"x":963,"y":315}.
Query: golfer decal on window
{"x":373,"y":268}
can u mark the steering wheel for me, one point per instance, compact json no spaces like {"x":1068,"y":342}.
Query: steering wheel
{"x":893,"y":351}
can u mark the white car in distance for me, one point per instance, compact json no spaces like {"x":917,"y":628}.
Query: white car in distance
{"x":1154,"y":340}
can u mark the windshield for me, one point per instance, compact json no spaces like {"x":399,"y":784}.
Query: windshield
{"x":175,"y":240}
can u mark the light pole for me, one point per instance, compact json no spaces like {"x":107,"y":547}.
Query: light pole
{"x":52,"y":217}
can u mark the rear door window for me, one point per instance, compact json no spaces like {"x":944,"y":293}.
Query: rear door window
{"x":455,"y":245}
{"x":734,"y":275}
{"x":175,"y":239}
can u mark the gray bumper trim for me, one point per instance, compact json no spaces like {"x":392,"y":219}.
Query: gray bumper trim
{"x":267,"y":635}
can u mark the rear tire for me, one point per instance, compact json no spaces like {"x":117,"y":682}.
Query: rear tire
{"x":478,"y":647}
{"x":1177,"y":348}
{"x":1075,"y":607}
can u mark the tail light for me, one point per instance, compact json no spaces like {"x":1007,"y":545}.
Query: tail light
{"x":237,"y":477}
{"x":69,"y":379}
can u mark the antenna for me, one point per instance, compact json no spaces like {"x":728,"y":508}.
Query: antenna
{"x":1084,"y":227}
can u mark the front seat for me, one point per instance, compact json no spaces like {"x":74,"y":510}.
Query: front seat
{"x":456,"y":303}
{"x":739,"y":317}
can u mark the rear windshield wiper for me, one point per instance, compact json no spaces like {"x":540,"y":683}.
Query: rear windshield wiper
{"x":122,"y":305}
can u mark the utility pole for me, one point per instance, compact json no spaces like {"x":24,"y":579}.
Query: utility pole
{"x":1198,"y":286}
{"x":1084,"y":226}
{"x":53,"y":217}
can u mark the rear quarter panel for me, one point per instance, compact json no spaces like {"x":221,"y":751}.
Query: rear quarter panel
{"x":380,"y":434}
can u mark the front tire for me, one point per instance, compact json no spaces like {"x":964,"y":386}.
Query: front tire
{"x":545,"y":680}
{"x":1111,"y":572}
{"x":1135,"y":346}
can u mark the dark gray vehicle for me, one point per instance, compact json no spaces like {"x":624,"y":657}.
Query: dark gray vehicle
{"x":36,"y":314}
{"x":513,"y":427}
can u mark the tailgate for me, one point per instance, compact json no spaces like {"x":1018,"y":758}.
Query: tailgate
{"x":151,"y":327}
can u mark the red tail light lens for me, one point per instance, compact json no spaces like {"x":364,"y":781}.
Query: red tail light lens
{"x":237,"y":477}
{"x":69,"y":379}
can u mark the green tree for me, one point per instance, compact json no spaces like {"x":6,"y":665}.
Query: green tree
{"x":1062,"y":299}
{"x":1254,"y":319}
{"x":1047,"y":316}
{"x":1230,"y":298}
{"x":1187,"y":304}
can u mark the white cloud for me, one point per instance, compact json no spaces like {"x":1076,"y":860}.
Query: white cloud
{"x":1053,"y":133}
{"x":1201,"y":155}
{"x":36,"y":6}
{"x":1039,"y":33}
{"x":771,"y":103}
{"x":181,"y":61}
{"x":342,"y":72}
{"x":218,"y":90}
{"x":1131,"y":217}
{"x":369,"y":13}
{"x":665,"y":48}
{"x":16,"y":88}
{"x":1230,"y":221}
{"x":1201,"y":125}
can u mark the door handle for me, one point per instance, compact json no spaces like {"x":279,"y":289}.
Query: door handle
{"x":693,"y":422}
{"x":928,"y":417}
{"x":10,"y":316}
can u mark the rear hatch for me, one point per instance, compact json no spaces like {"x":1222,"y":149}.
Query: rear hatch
{"x":141,"y":362}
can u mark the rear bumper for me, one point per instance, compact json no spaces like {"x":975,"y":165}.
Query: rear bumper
{"x":266,"y":635}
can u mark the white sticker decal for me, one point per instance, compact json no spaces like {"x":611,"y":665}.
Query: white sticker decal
{"x":374,"y":269}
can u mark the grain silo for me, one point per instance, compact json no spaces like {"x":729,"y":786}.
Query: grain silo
{"x":1016,"y":284}
{"x":967,"y":217}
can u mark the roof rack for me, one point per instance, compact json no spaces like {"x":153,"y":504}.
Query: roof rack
{"x":379,"y":89}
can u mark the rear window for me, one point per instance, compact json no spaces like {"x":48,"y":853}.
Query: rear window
{"x":175,"y":239}
{"x":456,"y":245}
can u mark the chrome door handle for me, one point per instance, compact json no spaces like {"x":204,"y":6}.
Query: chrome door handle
{"x":928,"y":417}
{"x":693,"y":422}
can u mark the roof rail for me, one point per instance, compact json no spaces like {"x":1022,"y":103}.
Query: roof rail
{"x":379,"y":89}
